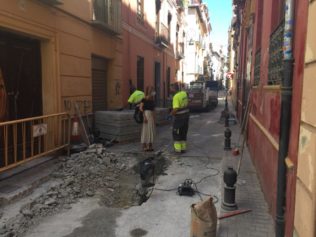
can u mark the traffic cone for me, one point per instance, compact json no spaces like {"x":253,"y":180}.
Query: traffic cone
{"x":75,"y":133}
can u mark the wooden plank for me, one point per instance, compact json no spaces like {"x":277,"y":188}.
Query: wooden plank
{"x":83,"y":127}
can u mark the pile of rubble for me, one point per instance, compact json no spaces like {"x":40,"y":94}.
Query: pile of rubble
{"x":94,"y":172}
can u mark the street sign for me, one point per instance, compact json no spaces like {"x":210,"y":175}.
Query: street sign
{"x":39,"y":130}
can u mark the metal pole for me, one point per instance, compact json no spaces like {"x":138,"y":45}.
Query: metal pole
{"x":285,"y":119}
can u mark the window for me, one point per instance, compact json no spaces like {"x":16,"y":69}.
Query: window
{"x":275,"y":73}
{"x":140,"y":10}
{"x":107,"y":14}
{"x":169,"y":25}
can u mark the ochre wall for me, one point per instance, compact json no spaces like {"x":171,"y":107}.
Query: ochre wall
{"x":139,"y":40}
{"x":68,"y":41}
{"x":305,"y":203}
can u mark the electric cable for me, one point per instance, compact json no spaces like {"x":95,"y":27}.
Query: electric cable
{"x":166,"y":190}
{"x":217,"y":172}
{"x":208,"y":176}
{"x":196,"y":190}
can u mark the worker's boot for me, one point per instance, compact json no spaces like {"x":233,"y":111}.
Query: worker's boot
{"x":183,"y":146}
{"x":177,"y":147}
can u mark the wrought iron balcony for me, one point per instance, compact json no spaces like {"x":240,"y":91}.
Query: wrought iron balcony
{"x":162,"y":38}
{"x":107,"y":15}
{"x":52,"y":2}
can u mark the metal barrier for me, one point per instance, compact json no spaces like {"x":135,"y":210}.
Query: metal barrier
{"x":26,"y":139}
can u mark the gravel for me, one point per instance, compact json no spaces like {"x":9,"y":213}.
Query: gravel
{"x":95,"y":172}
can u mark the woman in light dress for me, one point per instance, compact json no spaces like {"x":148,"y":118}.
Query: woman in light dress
{"x":147,"y":106}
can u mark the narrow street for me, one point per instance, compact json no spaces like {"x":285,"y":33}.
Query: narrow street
{"x":120,"y":118}
{"x":114,"y":211}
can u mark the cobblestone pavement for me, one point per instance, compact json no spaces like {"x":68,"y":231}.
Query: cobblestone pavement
{"x":258,"y":222}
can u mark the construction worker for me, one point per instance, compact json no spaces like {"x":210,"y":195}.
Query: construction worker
{"x":136,"y":97}
{"x":181,"y":115}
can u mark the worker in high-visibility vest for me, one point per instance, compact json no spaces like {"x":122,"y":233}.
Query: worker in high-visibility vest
{"x":181,"y":115}
{"x":136,"y":97}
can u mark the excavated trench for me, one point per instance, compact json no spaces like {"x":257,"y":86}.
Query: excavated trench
{"x":141,"y":178}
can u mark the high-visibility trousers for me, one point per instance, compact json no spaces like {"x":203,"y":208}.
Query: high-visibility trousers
{"x":180,"y":131}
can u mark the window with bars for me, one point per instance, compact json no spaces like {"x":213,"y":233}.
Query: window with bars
{"x":276,"y":68}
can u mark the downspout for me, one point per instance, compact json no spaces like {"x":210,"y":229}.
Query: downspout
{"x":285,"y":119}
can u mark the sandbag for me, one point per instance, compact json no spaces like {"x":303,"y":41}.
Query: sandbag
{"x":203,"y":219}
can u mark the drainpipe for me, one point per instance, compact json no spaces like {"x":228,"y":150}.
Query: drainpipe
{"x":285,"y":120}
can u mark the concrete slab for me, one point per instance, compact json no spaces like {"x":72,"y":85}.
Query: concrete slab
{"x":17,"y":186}
{"x":166,"y":213}
{"x":64,"y":223}
{"x":10,"y":211}
{"x":121,"y":126}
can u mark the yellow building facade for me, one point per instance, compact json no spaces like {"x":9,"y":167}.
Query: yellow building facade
{"x":79,"y":59}
{"x":305,"y":204}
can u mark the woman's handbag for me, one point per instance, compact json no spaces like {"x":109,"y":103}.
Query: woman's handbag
{"x":138,"y":115}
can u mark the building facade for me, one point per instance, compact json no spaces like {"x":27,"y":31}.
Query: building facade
{"x":152,"y":46}
{"x":198,"y":30}
{"x":305,"y":195}
{"x":65,"y":41}
{"x":275,"y":108}
{"x":55,"y":56}
{"x":231,"y":63}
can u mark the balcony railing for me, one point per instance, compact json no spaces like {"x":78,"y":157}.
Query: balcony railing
{"x":107,"y":15}
{"x":26,"y":139}
{"x":162,"y":37}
